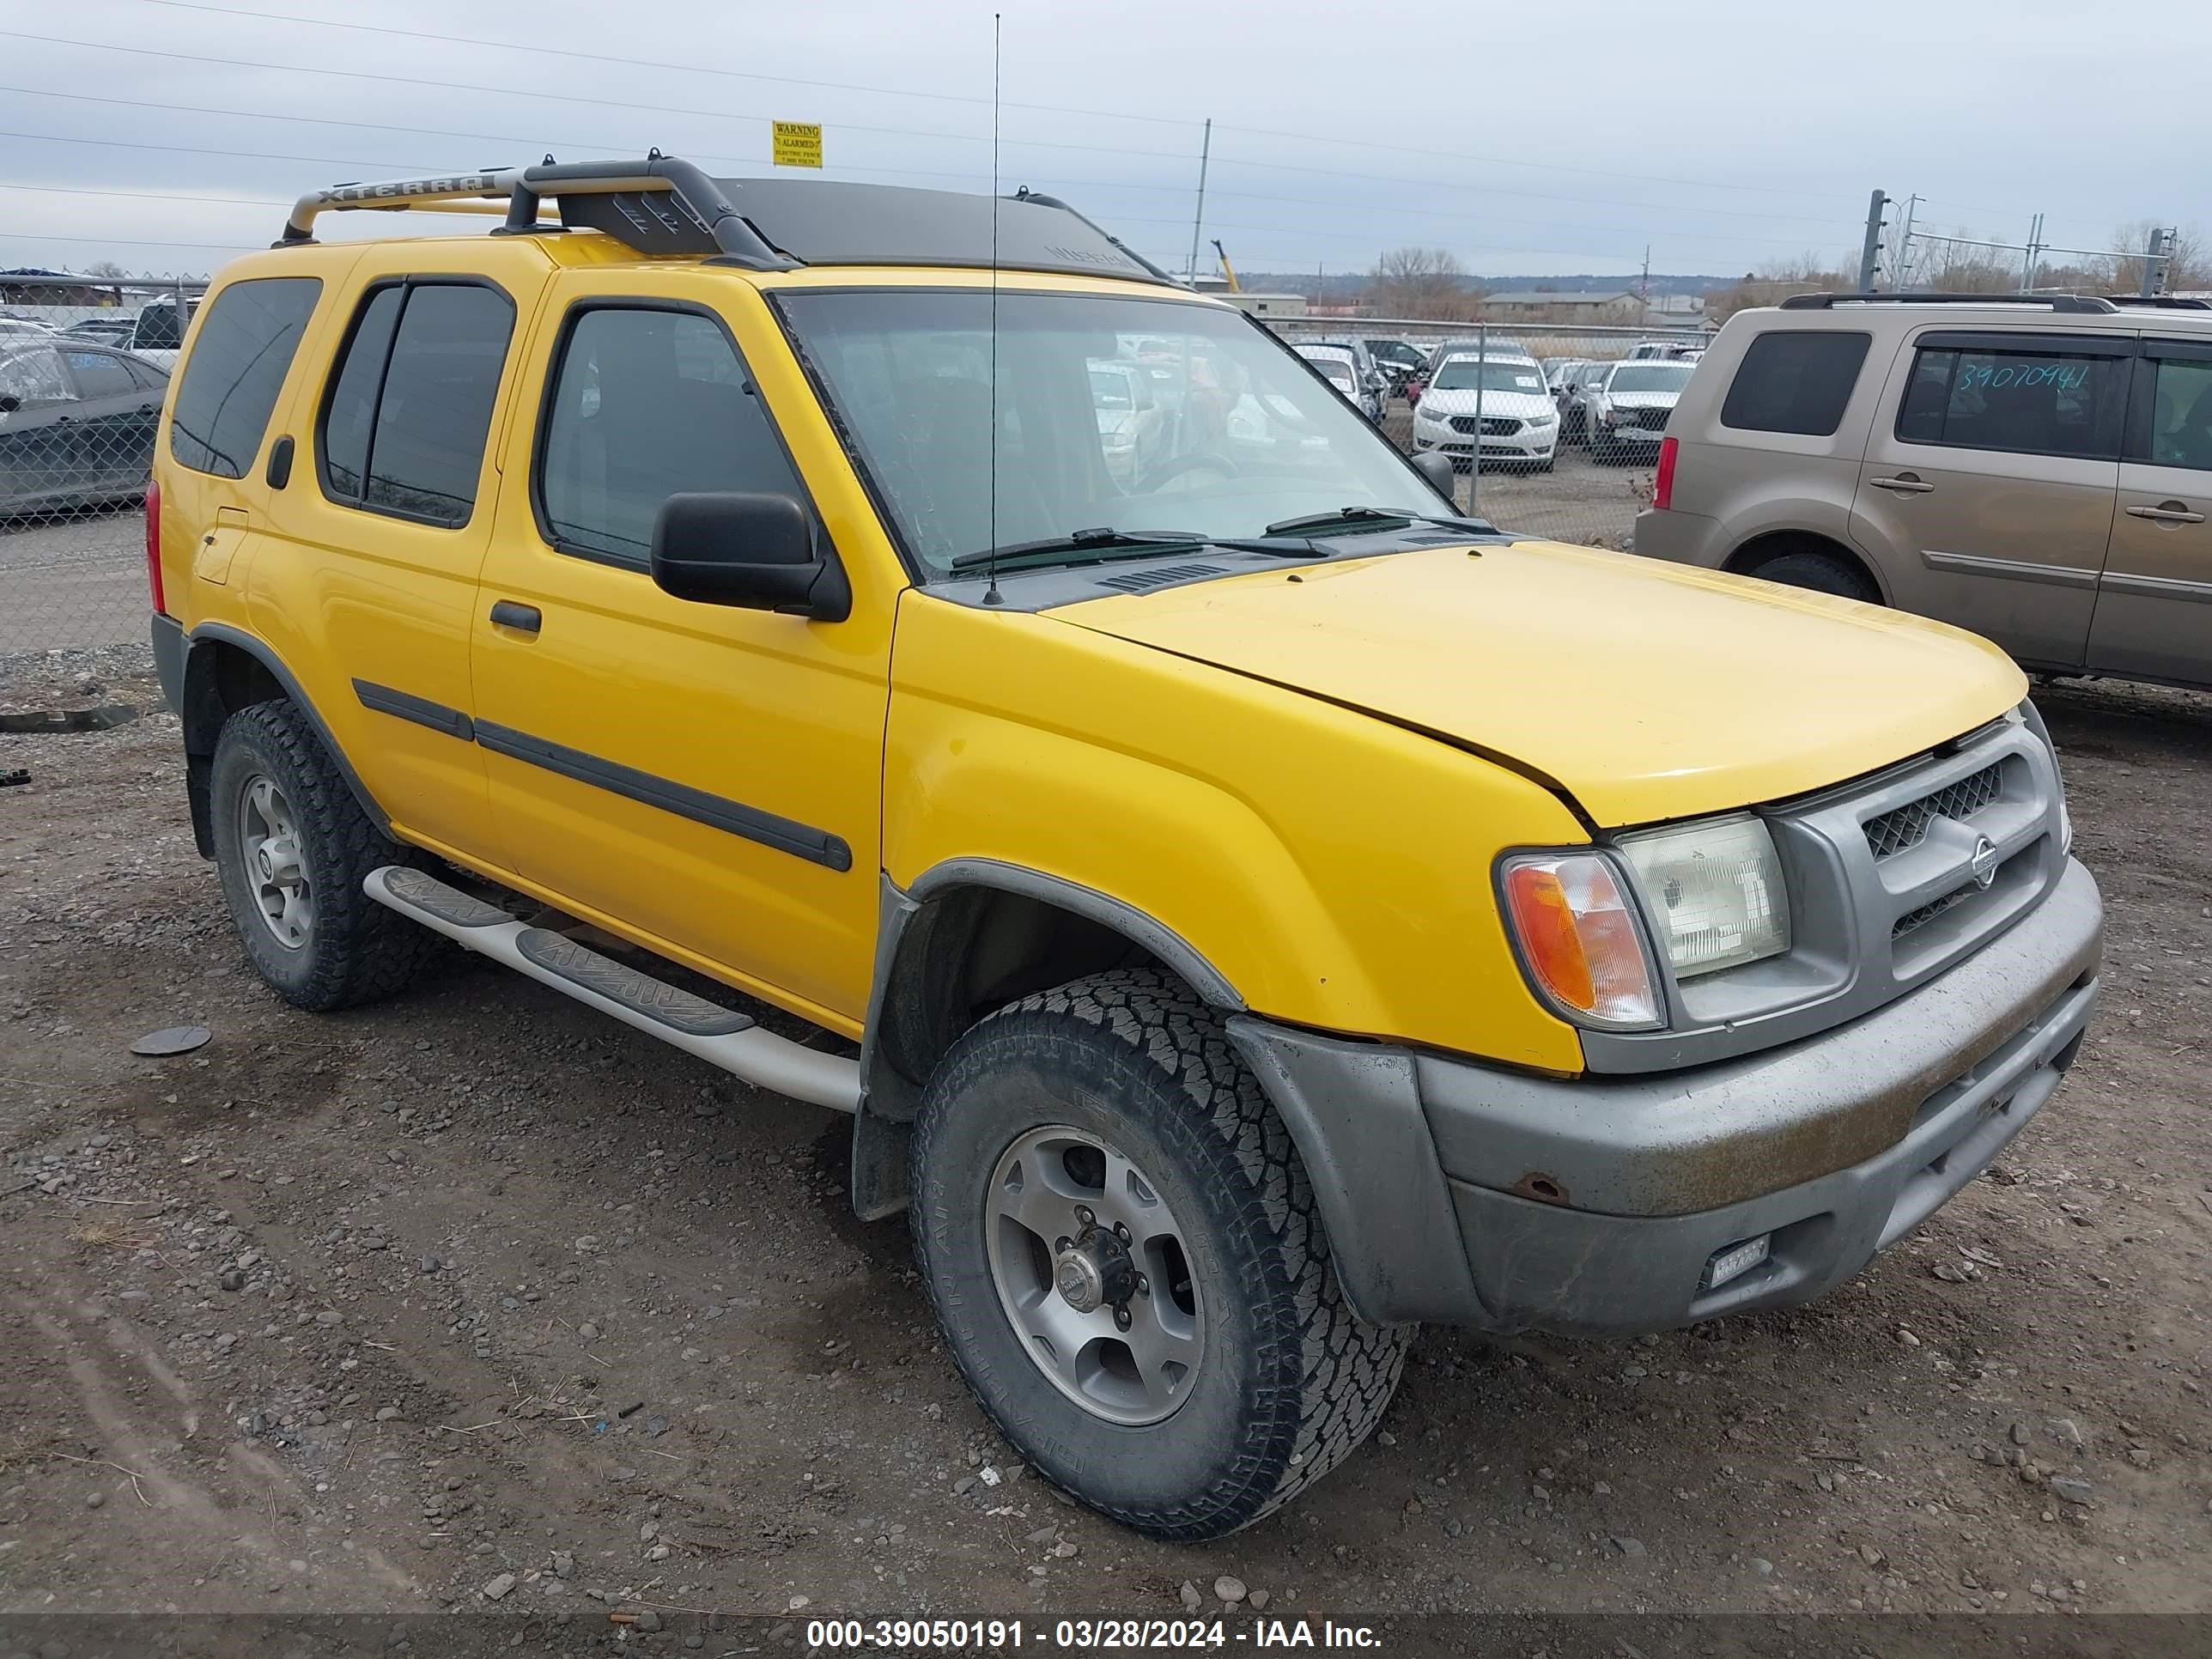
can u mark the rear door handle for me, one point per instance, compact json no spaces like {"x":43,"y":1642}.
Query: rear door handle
{"x":2167,"y":513}
{"x":522,"y":618}
{"x":1907,"y":485}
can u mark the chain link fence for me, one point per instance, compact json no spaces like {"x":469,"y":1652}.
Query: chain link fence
{"x":84,"y":365}
{"x":1583,"y":476}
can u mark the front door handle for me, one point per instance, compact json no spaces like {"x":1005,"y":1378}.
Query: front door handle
{"x":1904,"y":484}
{"x":2167,"y":513}
{"x":522,"y":618}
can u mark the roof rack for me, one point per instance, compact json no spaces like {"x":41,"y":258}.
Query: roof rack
{"x":2161,"y":302}
{"x":661,"y":206}
{"x":656,"y":205}
{"x":2052,"y":302}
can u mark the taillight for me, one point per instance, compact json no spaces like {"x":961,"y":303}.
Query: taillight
{"x":154,"y":548}
{"x":1662,"y":486}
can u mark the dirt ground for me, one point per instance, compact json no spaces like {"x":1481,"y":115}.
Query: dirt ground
{"x":477,"y":1300}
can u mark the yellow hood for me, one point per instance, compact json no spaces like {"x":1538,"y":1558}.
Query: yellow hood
{"x":1646,"y":691}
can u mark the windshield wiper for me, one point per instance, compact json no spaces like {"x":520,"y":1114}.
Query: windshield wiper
{"x":1075,"y":548}
{"x":1353,"y":518}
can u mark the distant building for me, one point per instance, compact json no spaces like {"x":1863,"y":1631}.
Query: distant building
{"x":1268,"y":305}
{"x":1620,"y":309}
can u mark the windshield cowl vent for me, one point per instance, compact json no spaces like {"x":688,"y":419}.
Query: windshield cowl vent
{"x":1138,"y":582}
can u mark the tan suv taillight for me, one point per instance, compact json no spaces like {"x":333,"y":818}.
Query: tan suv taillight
{"x":1662,"y":486}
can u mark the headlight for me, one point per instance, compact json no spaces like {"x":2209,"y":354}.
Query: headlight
{"x":1714,"y":891}
{"x":1579,"y":938}
{"x":1432,"y":416}
{"x":1546,"y":419}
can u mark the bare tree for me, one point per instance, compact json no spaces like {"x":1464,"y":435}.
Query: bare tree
{"x":1774,"y":281}
{"x":2186,"y":266}
{"x":1422,"y":282}
{"x":105,"y":268}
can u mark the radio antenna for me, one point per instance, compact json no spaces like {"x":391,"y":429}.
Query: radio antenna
{"x":991,"y":594}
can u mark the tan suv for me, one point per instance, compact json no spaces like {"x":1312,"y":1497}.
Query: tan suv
{"x":2038,"y":470}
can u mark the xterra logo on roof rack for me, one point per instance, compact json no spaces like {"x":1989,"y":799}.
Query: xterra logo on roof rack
{"x":466,"y":181}
{"x":1086,"y":256}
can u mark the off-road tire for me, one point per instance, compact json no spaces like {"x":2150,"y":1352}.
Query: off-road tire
{"x":1819,"y":573}
{"x":1292,"y":1381}
{"x":358,"y":951}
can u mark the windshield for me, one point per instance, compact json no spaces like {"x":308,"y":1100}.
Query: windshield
{"x":1245,"y":437}
{"x":1335,"y":367}
{"x":1463,"y":374}
{"x":1650,"y":377}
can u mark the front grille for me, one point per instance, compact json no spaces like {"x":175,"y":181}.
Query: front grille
{"x":1905,"y":828}
{"x":1137,"y":581}
{"x":1492,"y":426}
{"x":1653,"y":420}
{"x":1927,"y":912}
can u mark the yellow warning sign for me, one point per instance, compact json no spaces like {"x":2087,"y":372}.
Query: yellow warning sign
{"x":797,"y":143}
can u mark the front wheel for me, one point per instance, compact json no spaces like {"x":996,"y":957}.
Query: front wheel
{"x":1128,"y":1265}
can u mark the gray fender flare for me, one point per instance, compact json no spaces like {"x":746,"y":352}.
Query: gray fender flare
{"x":888,"y":1101}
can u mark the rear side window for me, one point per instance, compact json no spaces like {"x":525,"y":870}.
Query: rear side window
{"x":2034,"y":400}
{"x":98,"y":376}
{"x":239,"y":361}
{"x":646,"y":405}
{"x":33,"y":377}
{"x":410,"y":406}
{"x":2176,"y":423}
{"x":158,"y":329}
{"x":1795,"y":380}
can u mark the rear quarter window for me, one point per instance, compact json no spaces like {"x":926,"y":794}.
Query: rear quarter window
{"x":239,"y":359}
{"x":1795,"y":380}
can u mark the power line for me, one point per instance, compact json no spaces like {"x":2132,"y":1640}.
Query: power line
{"x":1456,"y":217}
{"x":1183,"y":122}
{"x":599,"y":58}
{"x":561,"y":97}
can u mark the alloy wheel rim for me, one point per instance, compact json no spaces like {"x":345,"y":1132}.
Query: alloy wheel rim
{"x":276,"y":863}
{"x":1090,"y":1266}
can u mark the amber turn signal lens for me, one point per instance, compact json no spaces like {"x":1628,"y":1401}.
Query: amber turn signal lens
{"x":1579,"y":939}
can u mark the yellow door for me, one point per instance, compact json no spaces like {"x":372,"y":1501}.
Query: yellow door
{"x":703,"y":779}
{"x":364,"y":575}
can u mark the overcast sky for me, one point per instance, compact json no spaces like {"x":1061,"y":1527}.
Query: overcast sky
{"x":1525,"y":139}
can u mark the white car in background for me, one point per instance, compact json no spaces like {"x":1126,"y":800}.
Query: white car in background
{"x":1496,"y":406}
{"x":1341,"y":366}
{"x":1627,"y":411}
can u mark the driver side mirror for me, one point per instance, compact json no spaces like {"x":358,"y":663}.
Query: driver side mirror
{"x":10,"y":403}
{"x":1437,"y":467}
{"x":755,"y":552}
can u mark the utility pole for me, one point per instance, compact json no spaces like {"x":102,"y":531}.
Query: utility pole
{"x":2033,"y":255}
{"x":1198,"y":219}
{"x":1870,"y":250}
{"x":1902,"y":276}
{"x":2151,"y":284}
{"x":1643,"y":287}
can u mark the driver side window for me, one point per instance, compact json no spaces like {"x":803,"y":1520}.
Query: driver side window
{"x":645,"y":403}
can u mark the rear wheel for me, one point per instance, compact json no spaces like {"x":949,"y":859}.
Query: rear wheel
{"x":1128,"y":1265}
{"x":1820,"y":572}
{"x":292,"y":846}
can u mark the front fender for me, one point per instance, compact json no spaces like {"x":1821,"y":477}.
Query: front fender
{"x":1319,"y":866}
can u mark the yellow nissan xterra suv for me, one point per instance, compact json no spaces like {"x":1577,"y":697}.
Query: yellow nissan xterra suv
{"x":1247,"y":908}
